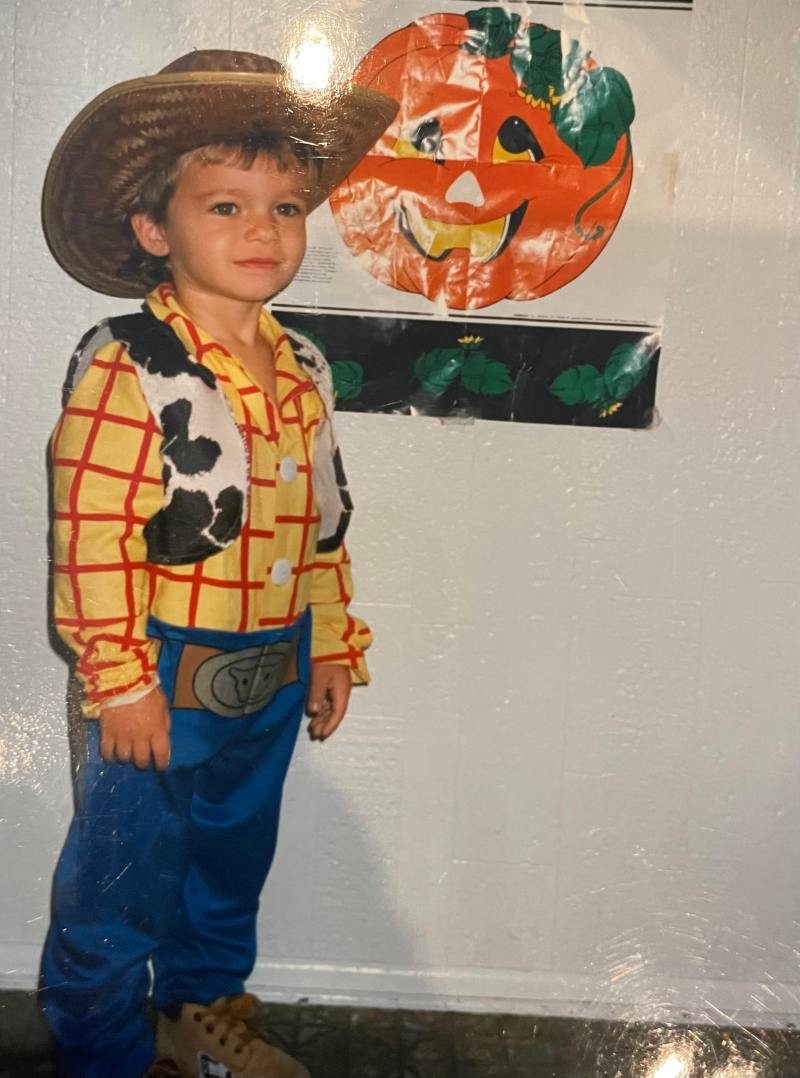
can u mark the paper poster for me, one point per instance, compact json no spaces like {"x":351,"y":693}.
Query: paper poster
{"x":503,"y":251}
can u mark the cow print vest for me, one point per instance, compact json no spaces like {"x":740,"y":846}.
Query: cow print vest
{"x":205,"y":467}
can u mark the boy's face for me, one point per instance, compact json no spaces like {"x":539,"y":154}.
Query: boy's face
{"x":232,"y":232}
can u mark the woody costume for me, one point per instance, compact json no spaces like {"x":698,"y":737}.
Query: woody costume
{"x":198,"y":544}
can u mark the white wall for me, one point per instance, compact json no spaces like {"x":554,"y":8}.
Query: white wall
{"x":572,"y":787}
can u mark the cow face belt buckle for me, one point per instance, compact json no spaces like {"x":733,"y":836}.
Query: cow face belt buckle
{"x":234,"y":683}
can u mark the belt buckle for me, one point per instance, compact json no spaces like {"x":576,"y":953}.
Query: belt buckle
{"x":238,"y":683}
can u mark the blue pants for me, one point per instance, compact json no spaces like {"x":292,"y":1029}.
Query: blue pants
{"x":166,"y":867}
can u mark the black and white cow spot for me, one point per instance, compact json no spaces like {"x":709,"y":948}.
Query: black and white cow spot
{"x":230,"y":506}
{"x":205,"y":478}
{"x":155,"y":347}
{"x":177,"y":530}
{"x":189,"y":456}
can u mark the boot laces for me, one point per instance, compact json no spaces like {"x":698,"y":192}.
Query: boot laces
{"x":163,"y":1068}
{"x":227,"y":1017}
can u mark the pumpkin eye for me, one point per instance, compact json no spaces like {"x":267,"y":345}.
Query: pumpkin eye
{"x":425,"y":141}
{"x":428,"y":137}
{"x":516,"y":142}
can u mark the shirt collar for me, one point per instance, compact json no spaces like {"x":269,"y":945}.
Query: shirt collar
{"x":291,"y":379}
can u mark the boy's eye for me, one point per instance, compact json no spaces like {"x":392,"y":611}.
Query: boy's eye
{"x":224,"y":209}
{"x":289,"y":209}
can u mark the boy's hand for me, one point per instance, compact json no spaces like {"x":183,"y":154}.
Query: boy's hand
{"x":136,"y":732}
{"x":327,"y":698}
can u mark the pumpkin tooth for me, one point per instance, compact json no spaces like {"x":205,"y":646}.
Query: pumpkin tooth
{"x":437,"y":238}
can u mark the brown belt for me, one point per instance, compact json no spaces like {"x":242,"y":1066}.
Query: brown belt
{"x":233,"y":683}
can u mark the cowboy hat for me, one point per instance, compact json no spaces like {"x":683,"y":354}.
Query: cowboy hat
{"x":130,"y":130}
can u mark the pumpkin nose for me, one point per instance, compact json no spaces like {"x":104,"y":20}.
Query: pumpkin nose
{"x":465,"y":189}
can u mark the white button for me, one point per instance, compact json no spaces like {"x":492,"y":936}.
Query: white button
{"x":288,"y":469}
{"x":281,"y":571}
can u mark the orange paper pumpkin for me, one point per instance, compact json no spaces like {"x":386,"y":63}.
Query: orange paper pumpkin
{"x":507,"y":167}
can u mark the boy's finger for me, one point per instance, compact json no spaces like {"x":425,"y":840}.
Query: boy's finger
{"x":337,"y":705}
{"x":161,"y":749}
{"x":141,"y":752}
{"x":107,"y":748}
{"x":123,"y":750}
{"x":318,"y":702}
{"x":318,"y":708}
{"x":317,"y":726}
{"x":333,"y":721}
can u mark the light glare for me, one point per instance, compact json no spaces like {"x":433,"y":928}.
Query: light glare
{"x":673,"y":1067}
{"x":310,"y":62}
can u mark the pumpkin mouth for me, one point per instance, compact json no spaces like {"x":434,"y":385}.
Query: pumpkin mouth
{"x":437,"y":239}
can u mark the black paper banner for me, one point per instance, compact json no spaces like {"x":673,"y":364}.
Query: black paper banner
{"x":524,"y":373}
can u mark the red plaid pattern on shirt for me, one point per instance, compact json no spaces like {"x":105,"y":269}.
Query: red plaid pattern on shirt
{"x":107,"y":485}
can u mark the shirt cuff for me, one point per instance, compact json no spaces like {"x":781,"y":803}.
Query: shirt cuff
{"x":356,"y":663}
{"x":133,"y":696}
{"x":116,"y":684}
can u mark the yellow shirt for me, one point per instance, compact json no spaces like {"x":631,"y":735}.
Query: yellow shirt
{"x":108,"y":484}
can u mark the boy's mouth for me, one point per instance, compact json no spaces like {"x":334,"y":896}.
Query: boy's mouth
{"x":257,"y":263}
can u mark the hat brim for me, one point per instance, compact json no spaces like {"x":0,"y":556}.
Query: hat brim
{"x":136,"y":127}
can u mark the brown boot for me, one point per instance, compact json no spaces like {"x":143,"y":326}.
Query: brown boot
{"x":163,"y":1068}
{"x":216,"y":1042}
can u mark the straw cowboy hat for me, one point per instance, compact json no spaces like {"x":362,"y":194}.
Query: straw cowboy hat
{"x":136,"y":127}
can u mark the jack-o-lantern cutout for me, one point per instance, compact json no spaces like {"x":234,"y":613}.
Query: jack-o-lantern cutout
{"x":507,"y":167}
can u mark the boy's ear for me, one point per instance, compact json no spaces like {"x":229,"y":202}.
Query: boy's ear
{"x":150,"y":234}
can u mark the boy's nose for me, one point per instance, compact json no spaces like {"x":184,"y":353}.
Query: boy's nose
{"x":263,"y":226}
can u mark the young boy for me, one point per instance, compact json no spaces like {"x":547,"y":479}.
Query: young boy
{"x":200,"y":575}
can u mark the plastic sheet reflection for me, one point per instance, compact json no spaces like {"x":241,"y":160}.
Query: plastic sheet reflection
{"x":674,"y":1066}
{"x":696,"y":1060}
{"x":681,"y":1065}
{"x":311,"y":60}
{"x":634,"y":1050}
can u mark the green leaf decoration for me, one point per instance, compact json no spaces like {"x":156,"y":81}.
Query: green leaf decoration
{"x":438,"y":368}
{"x":574,"y":61}
{"x":579,"y":385}
{"x":491,"y":31}
{"x":486,"y":376}
{"x":627,"y":365}
{"x":536,"y":60}
{"x":348,"y":379}
{"x":598,"y":110}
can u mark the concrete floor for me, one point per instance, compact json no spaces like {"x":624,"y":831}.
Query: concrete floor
{"x":340,"y":1042}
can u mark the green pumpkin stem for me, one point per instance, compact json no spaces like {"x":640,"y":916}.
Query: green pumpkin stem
{"x":599,"y":230}
{"x":491,"y":31}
